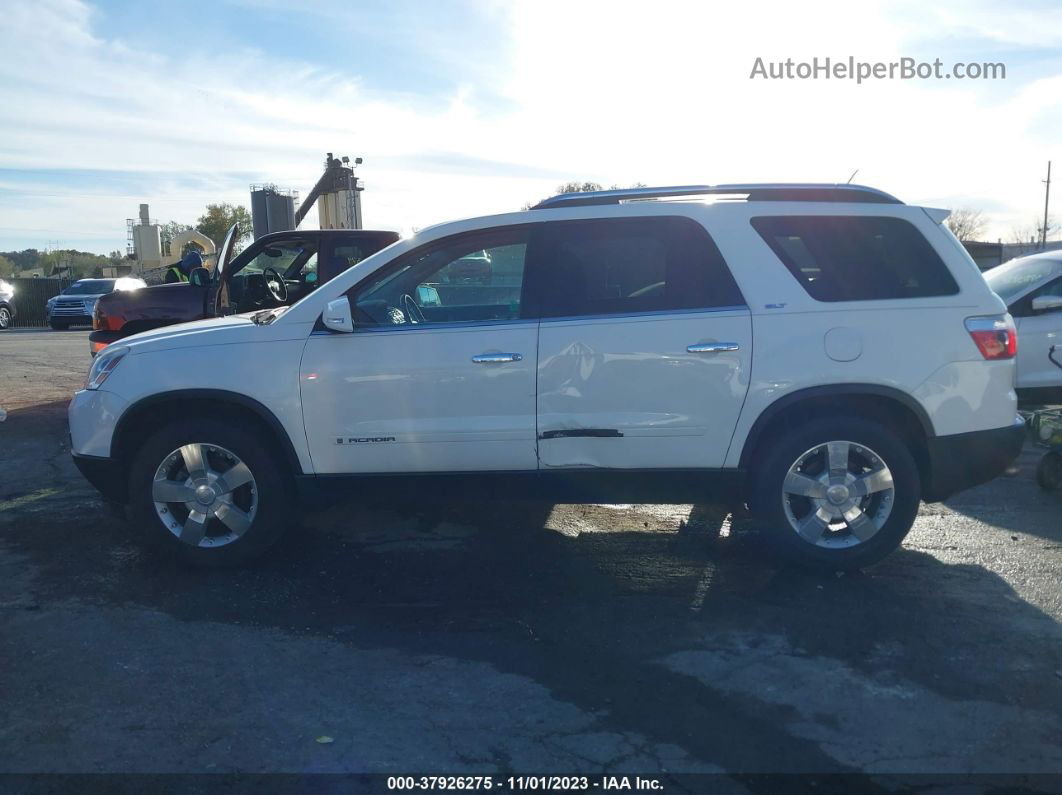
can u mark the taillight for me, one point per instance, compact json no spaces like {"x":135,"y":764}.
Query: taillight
{"x":994,"y":335}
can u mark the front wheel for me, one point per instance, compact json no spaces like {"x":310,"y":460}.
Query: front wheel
{"x":5,"y":318}
{"x":836,"y":494}
{"x":209,"y":492}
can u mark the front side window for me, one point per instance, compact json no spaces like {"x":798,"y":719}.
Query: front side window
{"x":469,"y":278}
{"x":629,"y":265}
{"x":1024,"y":307}
{"x":856,"y":258}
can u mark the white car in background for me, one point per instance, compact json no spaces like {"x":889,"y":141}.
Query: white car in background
{"x":1032,"y":289}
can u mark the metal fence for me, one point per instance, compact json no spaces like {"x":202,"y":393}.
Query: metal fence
{"x":31,"y":295}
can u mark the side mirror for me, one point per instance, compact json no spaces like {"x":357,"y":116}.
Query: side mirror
{"x":337,"y":316}
{"x":200,"y":277}
{"x":1047,"y":303}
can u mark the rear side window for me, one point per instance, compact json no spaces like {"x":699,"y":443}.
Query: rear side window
{"x":856,"y":258}
{"x":620,"y":265}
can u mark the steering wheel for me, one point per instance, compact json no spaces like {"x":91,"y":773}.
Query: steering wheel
{"x":412,"y":309}
{"x":277,"y":287}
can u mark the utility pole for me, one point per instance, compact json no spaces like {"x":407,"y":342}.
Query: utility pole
{"x":1047,"y":198}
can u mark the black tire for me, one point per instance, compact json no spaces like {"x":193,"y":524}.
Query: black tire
{"x":58,"y":325}
{"x":772,"y":466}
{"x":272,"y":488}
{"x":1049,"y":471}
{"x":6,"y":318}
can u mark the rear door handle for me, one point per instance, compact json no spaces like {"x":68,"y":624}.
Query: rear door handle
{"x":713,"y":347}
{"x":497,"y":358}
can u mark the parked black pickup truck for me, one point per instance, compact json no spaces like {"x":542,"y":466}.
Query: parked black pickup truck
{"x":276,"y":270}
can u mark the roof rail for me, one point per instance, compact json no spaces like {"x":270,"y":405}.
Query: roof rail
{"x":789,"y":192}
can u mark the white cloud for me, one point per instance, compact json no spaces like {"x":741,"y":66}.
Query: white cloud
{"x":613,"y":91}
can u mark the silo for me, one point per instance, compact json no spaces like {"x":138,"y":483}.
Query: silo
{"x":145,"y":240}
{"x":272,"y":209}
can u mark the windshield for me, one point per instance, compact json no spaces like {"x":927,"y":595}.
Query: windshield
{"x":90,"y":287}
{"x":1011,"y":279}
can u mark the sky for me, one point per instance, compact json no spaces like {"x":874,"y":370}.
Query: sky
{"x":471,"y":107}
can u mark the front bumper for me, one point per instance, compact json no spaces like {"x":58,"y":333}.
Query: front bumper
{"x":963,"y":460}
{"x":106,"y":474}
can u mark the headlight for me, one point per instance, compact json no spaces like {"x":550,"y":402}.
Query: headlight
{"x":102,"y":366}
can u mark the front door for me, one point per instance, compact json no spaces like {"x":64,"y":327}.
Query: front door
{"x":644,"y":345}
{"x":439,"y":374}
{"x":1037,"y":332}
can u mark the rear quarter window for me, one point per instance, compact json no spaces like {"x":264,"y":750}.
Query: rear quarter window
{"x":856,"y":258}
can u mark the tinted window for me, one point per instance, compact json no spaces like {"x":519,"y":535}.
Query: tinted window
{"x":852,"y":258}
{"x":615,"y":266}
{"x":470,"y":278}
{"x":1023,"y":307}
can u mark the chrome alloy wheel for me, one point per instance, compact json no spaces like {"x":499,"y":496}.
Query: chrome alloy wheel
{"x":838,"y":494}
{"x":205,"y":495}
{"x":5,"y":317}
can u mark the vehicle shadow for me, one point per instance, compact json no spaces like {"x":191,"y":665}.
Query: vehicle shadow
{"x":996,"y":502}
{"x":647,"y":617}
{"x":35,"y":437}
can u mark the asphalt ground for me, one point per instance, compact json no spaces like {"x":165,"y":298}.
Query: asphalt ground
{"x":512,"y":638}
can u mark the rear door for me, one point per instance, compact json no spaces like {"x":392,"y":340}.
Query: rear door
{"x":645,"y":344}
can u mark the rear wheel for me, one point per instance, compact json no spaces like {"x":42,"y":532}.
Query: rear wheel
{"x":209,"y":492}
{"x":837,"y":493}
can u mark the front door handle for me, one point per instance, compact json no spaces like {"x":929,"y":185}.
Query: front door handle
{"x":712,"y":347}
{"x":497,"y":358}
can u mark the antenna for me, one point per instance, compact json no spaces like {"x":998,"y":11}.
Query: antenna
{"x":852,"y":177}
{"x":1047,"y":199}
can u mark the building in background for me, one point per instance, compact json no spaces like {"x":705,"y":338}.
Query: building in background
{"x":144,"y":243}
{"x":272,"y":209}
{"x":337,"y":194}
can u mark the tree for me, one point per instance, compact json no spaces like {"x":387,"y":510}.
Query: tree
{"x":1026,"y":237}
{"x":7,"y":267}
{"x":217,"y":219}
{"x":580,"y":187}
{"x":966,"y":223}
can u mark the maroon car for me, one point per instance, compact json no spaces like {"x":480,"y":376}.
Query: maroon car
{"x":276,"y":270}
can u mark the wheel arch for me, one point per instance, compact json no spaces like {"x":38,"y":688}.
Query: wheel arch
{"x":899,"y":409}
{"x":146,"y":414}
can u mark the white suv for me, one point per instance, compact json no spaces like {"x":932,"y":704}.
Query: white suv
{"x":823,"y":353}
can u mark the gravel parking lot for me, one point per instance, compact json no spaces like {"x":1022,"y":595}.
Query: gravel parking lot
{"x":500,"y":637}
